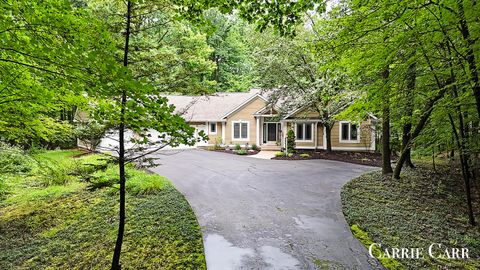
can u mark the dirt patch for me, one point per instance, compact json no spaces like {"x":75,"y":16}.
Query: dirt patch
{"x":364,"y":158}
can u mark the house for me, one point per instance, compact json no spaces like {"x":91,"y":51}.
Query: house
{"x":246,"y":119}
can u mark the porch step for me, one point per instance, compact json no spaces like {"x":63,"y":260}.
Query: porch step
{"x":270,"y":147}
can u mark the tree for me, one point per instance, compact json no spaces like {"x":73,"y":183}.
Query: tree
{"x":131,"y":102}
{"x":303,"y":77}
{"x":232,"y":53}
{"x":45,"y":63}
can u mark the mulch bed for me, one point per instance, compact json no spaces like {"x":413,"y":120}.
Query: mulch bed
{"x":249,"y":152}
{"x":363,"y":158}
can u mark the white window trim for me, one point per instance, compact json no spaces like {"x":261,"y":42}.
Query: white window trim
{"x":248,"y":131}
{"x":340,"y":132}
{"x":210,"y":127}
{"x":297,"y":140}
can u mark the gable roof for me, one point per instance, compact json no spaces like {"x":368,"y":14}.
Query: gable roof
{"x":211,"y":108}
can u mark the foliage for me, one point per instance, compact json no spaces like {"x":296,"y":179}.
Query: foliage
{"x":90,"y":133}
{"x":301,"y":76}
{"x":13,"y":159}
{"x":242,"y":152}
{"x":254,"y":146}
{"x":304,"y":155}
{"x":291,"y":141}
{"x":232,"y":55}
{"x":44,"y":64}
{"x":279,"y":154}
{"x":164,"y":231}
{"x":388,"y":263}
{"x":411,"y":212}
{"x":238,"y":147}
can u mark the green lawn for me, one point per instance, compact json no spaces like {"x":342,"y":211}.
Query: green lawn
{"x":422,"y":208}
{"x":46,"y":225}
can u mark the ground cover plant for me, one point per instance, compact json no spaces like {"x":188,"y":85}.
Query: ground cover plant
{"x":422,"y":207}
{"x":72,"y":224}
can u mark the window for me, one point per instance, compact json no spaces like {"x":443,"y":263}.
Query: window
{"x":213,"y":128}
{"x":304,"y":131}
{"x":348,"y":132}
{"x":240,"y":130}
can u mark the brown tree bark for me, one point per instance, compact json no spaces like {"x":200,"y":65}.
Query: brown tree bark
{"x":121,"y":155}
{"x":328,"y":136}
{"x":386,"y":151}
{"x":407,"y":127}
{"x":472,"y":65}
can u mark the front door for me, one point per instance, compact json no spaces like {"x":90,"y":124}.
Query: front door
{"x":272,"y":132}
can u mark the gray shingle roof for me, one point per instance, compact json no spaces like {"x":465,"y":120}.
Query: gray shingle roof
{"x":209,"y":108}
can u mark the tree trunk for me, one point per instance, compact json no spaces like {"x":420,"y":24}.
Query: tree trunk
{"x":328,"y":136}
{"x":121,"y":154}
{"x":407,"y":127}
{"x":418,"y":128}
{"x":472,"y":66}
{"x":464,"y":164}
{"x":386,"y":152}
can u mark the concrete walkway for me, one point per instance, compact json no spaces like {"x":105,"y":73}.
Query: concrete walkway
{"x":264,"y":154}
{"x":268,"y":214}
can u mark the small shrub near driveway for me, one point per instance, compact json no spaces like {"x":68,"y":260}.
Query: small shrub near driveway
{"x":238,"y":147}
{"x":279,"y":154}
{"x":304,"y":155}
{"x":242,"y":152}
{"x":254,"y":147}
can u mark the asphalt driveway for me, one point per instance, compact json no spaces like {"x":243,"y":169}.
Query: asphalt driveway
{"x":268,"y":214}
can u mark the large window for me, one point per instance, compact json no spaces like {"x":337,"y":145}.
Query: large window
{"x":240,"y":130}
{"x":304,"y":131}
{"x":348,"y":132}
{"x":213,"y":128}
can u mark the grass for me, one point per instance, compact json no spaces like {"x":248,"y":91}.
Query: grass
{"x":422,"y":208}
{"x":69,"y":227}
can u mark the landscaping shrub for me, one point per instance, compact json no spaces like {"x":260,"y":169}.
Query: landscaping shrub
{"x":57,"y":134}
{"x":254,"y":146}
{"x":290,"y":155}
{"x":305,"y":155}
{"x":291,"y":141}
{"x":14,"y":160}
{"x":279,"y":154}
{"x":242,"y":152}
{"x":91,"y":134}
{"x":238,"y":147}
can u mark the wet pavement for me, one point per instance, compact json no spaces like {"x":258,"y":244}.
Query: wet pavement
{"x":268,"y":214}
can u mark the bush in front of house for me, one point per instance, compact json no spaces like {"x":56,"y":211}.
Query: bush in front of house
{"x":254,"y":146}
{"x":279,"y":154}
{"x":304,"y":155}
{"x":238,"y":147}
{"x":291,"y":141}
{"x":242,"y":152}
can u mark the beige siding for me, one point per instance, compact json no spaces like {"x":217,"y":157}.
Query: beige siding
{"x":365,"y":136}
{"x":309,"y":144}
{"x":244,"y":114}
{"x":215,"y":138}
{"x":319,"y":135}
{"x":306,"y":113}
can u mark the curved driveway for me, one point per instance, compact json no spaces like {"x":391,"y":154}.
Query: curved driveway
{"x":268,"y":214}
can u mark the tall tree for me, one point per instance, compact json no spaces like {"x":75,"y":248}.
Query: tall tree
{"x":300,"y":76}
